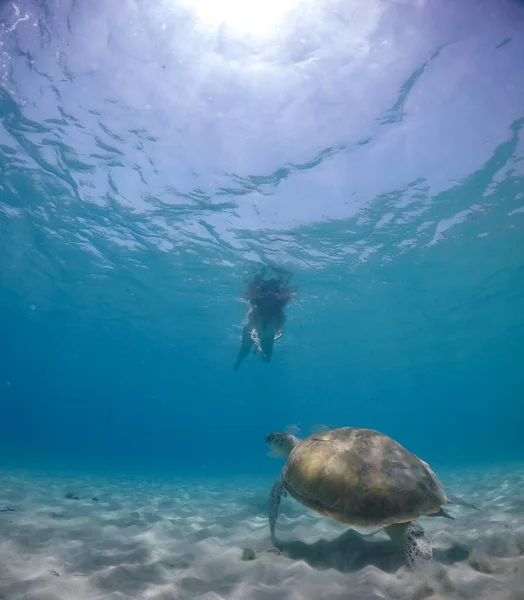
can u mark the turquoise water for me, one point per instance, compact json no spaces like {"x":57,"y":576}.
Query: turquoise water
{"x":151,"y":157}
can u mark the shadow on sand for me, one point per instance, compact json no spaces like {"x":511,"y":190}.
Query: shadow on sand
{"x":352,"y":552}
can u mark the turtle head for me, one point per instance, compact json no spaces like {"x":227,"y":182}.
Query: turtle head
{"x":281,"y":444}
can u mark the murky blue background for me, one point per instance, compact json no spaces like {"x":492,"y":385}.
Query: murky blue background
{"x":153,"y":153}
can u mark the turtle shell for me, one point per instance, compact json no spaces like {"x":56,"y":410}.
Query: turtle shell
{"x":361,"y":477}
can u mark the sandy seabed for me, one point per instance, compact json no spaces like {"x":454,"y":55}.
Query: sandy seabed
{"x":73,"y":538}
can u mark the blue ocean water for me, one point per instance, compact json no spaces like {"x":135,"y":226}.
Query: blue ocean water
{"x":154,"y":154}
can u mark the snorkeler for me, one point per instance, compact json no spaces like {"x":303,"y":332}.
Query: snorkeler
{"x":265,"y":318}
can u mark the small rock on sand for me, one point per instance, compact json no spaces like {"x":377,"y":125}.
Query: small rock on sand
{"x":248,"y":554}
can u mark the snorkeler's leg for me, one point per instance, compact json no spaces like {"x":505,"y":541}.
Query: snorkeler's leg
{"x":245,"y":346}
{"x":281,"y":320}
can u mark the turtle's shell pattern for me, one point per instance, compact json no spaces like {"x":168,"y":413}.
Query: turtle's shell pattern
{"x":361,"y":477}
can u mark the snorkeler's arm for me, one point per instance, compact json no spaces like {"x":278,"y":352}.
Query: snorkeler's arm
{"x":286,"y":294}
{"x":284,"y":275}
{"x":253,"y":288}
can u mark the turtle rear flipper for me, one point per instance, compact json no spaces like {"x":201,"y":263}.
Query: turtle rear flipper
{"x":417,"y":547}
{"x":415,"y":543}
{"x":442,"y":513}
{"x":452,"y":499}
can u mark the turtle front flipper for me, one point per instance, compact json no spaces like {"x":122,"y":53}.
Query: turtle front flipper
{"x":415,"y":542}
{"x":277,"y":491}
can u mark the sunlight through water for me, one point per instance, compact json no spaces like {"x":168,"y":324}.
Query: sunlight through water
{"x":257,"y":19}
{"x":220,"y":217}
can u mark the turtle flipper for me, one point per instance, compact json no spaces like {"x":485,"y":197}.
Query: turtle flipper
{"x":456,"y":500}
{"x":277,"y":491}
{"x":417,"y":547}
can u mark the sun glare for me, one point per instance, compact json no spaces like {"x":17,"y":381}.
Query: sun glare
{"x":243,"y":17}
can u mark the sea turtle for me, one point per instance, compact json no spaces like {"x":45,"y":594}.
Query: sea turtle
{"x":360,"y":477}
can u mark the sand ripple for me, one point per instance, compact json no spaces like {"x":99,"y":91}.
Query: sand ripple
{"x":117,"y":540}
